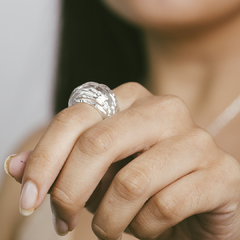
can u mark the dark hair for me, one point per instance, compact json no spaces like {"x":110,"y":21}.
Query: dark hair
{"x":96,"y":45}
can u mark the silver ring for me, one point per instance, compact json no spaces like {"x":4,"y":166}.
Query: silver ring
{"x":97,"y":95}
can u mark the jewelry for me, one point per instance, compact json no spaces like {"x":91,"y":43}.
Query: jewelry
{"x":225,"y":117}
{"x":97,"y":95}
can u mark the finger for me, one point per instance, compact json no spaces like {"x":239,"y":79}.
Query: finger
{"x":49,"y":156}
{"x":97,"y":148}
{"x":128,"y":132}
{"x":152,"y":171}
{"x":99,"y":192}
{"x":15,"y":165}
{"x":198,"y":192}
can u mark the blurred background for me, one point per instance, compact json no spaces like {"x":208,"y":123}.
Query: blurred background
{"x":28,"y":52}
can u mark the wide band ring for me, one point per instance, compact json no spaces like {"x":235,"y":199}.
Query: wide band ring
{"x":97,"y":95}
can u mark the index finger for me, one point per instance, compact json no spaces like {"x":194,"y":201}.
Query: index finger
{"x":49,"y":156}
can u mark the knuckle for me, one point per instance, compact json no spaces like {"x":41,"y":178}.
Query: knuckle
{"x":44,"y":161}
{"x":175,"y":106}
{"x":225,"y":175}
{"x":140,"y":229}
{"x":136,"y":88}
{"x":97,"y":140}
{"x":139,"y":234}
{"x":174,"y":111}
{"x":62,"y":201}
{"x":165,"y":209}
{"x":100,"y":232}
{"x":130,"y":184}
{"x":169,"y":110}
{"x":205,"y":142}
{"x":203,"y":137}
{"x":173,"y":101}
{"x":228,"y":170}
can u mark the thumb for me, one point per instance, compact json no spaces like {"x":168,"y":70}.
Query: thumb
{"x":15,"y":164}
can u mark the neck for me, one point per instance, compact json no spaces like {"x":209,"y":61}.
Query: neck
{"x":201,"y":68}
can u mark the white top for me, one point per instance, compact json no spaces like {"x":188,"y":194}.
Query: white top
{"x":28,"y":46}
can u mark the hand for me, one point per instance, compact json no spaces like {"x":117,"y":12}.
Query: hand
{"x":180,"y":185}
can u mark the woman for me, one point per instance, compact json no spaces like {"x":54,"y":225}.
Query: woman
{"x":179,"y":184}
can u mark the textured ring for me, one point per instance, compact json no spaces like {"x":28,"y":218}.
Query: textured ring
{"x":97,"y":95}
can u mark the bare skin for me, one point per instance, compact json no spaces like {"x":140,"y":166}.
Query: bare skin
{"x":11,"y":219}
{"x":193,"y":50}
{"x":183,"y":185}
{"x":203,"y":164}
{"x":9,"y":195}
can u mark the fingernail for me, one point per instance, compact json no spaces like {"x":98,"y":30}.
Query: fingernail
{"x":60,"y":226}
{"x":15,"y":164}
{"x":7,"y":162}
{"x":28,"y":198}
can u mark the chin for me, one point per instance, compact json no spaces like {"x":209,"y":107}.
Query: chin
{"x":174,"y":14}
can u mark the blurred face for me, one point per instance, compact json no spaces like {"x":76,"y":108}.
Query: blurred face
{"x":170,"y":14}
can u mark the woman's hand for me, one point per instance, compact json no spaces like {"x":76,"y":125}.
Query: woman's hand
{"x":180,"y":185}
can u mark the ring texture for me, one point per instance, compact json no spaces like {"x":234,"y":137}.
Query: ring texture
{"x":97,"y":95}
